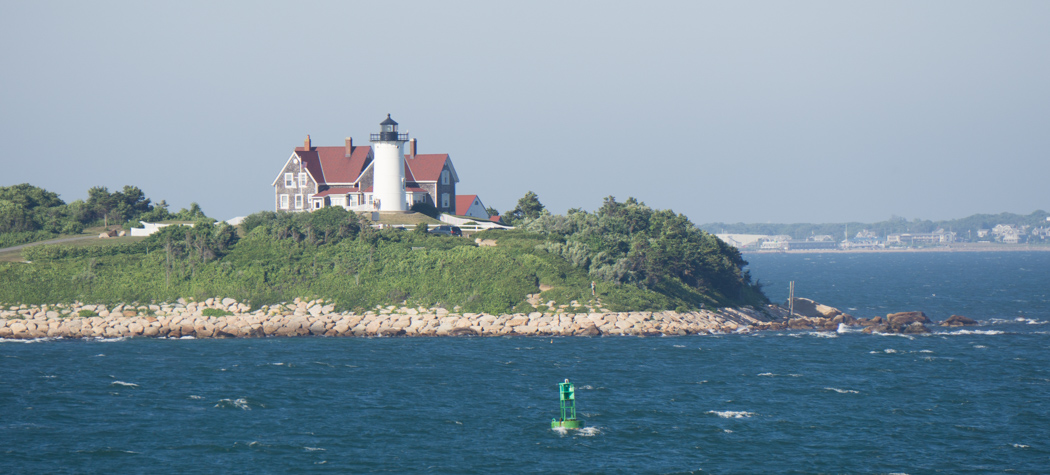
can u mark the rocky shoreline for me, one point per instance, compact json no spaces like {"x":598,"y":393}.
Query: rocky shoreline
{"x":227,"y":318}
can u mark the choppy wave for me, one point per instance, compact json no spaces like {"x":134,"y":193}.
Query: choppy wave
{"x":824,"y":334}
{"x":975,"y":332}
{"x":732,"y":414}
{"x":843,"y":328}
{"x":122,"y":383}
{"x":239,"y":403}
{"x":589,"y":431}
{"x":842,"y":391}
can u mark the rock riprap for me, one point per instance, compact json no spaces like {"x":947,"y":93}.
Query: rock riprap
{"x":228,"y":318}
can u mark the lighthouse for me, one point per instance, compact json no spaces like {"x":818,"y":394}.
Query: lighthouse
{"x":388,"y":185}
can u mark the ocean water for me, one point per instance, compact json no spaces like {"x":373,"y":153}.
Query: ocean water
{"x":969,"y":400}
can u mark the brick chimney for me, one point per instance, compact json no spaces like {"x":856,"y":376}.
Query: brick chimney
{"x":349,"y":146}
{"x":412,"y":148}
{"x":306,"y":143}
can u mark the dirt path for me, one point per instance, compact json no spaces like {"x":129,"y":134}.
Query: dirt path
{"x":53,"y":241}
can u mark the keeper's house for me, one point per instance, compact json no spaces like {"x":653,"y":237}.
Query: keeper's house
{"x":314,"y":177}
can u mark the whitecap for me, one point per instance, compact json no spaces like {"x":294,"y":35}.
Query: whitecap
{"x":679,"y":346}
{"x":732,"y":414}
{"x":313,"y":449}
{"x":842,"y":391}
{"x":824,"y":334}
{"x":1021,"y":446}
{"x":589,"y":431}
{"x":889,"y":350}
{"x":586,"y":387}
{"x":122,"y":383}
{"x":188,"y":337}
{"x":560,"y":430}
{"x":110,"y":340}
{"x":976,"y":332}
{"x":925,"y":351}
{"x":766,"y":374}
{"x":979,"y":346}
{"x":239,"y":403}
{"x":727,"y":431}
{"x":192,"y":396}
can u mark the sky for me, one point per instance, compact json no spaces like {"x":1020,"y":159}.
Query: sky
{"x":723,"y":111}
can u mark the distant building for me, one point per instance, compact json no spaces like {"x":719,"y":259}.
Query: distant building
{"x":939,"y":236}
{"x":785,"y":243}
{"x":743,"y":241}
{"x":863,"y":240}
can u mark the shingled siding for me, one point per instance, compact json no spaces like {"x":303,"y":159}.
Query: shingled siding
{"x":306,"y":191}
{"x":366,"y":179}
{"x":450,"y":188}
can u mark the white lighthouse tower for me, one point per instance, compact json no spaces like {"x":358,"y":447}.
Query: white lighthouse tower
{"x":388,"y":183}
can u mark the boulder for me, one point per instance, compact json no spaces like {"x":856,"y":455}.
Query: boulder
{"x":958,"y":321}
{"x":462,"y":331}
{"x":905,"y":318}
{"x":915,"y":327}
{"x":588,"y":330}
{"x":898,"y":328}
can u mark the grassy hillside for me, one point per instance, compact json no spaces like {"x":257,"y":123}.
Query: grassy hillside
{"x":332,"y":254}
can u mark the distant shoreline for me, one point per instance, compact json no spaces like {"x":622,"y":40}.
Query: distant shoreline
{"x":958,"y":247}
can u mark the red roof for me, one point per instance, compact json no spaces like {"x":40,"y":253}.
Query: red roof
{"x":331,"y":165}
{"x":463,"y":203}
{"x":426,"y":167}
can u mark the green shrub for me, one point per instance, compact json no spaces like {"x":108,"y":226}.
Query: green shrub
{"x":87,"y":313}
{"x":215,"y":312}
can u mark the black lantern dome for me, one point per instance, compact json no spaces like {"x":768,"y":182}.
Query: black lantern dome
{"x":388,"y":132}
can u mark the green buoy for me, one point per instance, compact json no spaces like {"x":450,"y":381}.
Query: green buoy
{"x":567,"y":393}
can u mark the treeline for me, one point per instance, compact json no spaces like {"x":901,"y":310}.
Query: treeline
{"x":965,"y":228}
{"x":637,"y":258}
{"x":631,"y":243}
{"x":29,"y":213}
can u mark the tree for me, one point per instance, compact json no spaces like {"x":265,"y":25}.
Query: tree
{"x":529,"y":207}
{"x":492,"y":211}
{"x":120,"y":206}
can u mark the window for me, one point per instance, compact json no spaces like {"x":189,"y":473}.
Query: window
{"x":444,"y":177}
{"x":298,"y":201}
{"x":302,"y":179}
{"x":444,"y":200}
{"x":317,"y":204}
{"x":289,"y":180}
{"x":284,"y":201}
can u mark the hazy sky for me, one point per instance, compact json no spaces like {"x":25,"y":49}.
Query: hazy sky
{"x":723,"y":111}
